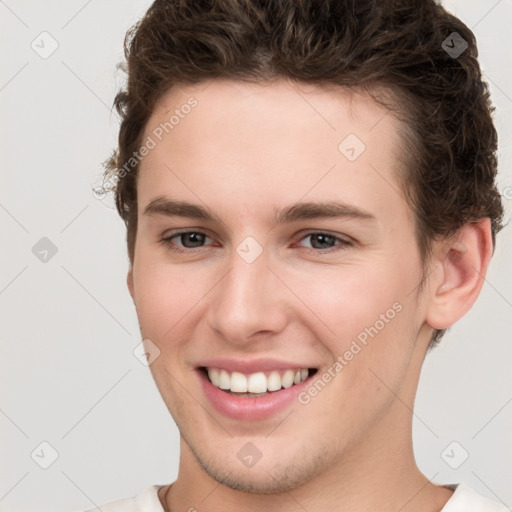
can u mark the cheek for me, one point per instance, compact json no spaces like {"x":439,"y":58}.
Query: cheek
{"x":349,"y":299}
{"x":363,"y":315}
{"x":164,"y":294}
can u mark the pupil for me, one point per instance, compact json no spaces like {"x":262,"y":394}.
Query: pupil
{"x":194,"y":235}
{"x":323,"y":237}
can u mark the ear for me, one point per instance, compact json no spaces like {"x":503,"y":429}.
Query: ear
{"x":463,"y":262}
{"x":129,"y":281}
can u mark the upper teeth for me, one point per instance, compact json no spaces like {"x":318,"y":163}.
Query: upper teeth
{"x":259,"y":382}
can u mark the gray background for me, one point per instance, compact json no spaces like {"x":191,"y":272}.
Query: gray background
{"x":68,"y":374}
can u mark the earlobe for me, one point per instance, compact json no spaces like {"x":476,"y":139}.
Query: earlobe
{"x":464,"y":259}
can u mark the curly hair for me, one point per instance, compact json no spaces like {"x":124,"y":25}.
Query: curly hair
{"x":399,"y":46}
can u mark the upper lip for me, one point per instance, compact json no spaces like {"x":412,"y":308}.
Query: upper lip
{"x":252,"y":366}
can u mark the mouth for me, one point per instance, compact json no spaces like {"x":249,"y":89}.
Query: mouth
{"x":253,"y":389}
{"x":258,"y":384}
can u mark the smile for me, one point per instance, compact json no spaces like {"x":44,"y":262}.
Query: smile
{"x":251,"y":392}
{"x":256,"y":384}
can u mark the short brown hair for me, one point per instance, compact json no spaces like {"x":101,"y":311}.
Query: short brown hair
{"x":403,"y":45}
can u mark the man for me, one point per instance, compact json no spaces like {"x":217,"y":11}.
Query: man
{"x":310,"y":201}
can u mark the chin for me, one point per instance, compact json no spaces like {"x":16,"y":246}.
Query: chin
{"x":261,"y":481}
{"x":279,"y":475}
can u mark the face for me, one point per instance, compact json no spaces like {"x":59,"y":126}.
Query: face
{"x":290,"y":276}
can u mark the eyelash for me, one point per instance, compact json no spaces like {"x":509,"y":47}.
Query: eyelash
{"x":167,"y":241}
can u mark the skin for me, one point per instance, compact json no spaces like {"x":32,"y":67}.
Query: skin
{"x":244,"y":151}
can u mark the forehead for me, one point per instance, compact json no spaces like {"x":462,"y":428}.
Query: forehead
{"x":283,"y":103}
{"x":266,"y":144}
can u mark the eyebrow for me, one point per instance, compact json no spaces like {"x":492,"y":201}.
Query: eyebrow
{"x":293,"y":213}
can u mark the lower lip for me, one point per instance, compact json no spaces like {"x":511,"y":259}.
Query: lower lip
{"x":250,"y":409}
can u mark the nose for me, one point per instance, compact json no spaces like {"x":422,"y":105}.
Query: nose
{"x":249,"y":302}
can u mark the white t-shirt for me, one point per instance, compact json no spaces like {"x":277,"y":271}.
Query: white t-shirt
{"x":464,"y":499}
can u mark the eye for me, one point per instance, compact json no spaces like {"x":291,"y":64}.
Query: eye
{"x":190,"y":239}
{"x":325,"y":241}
